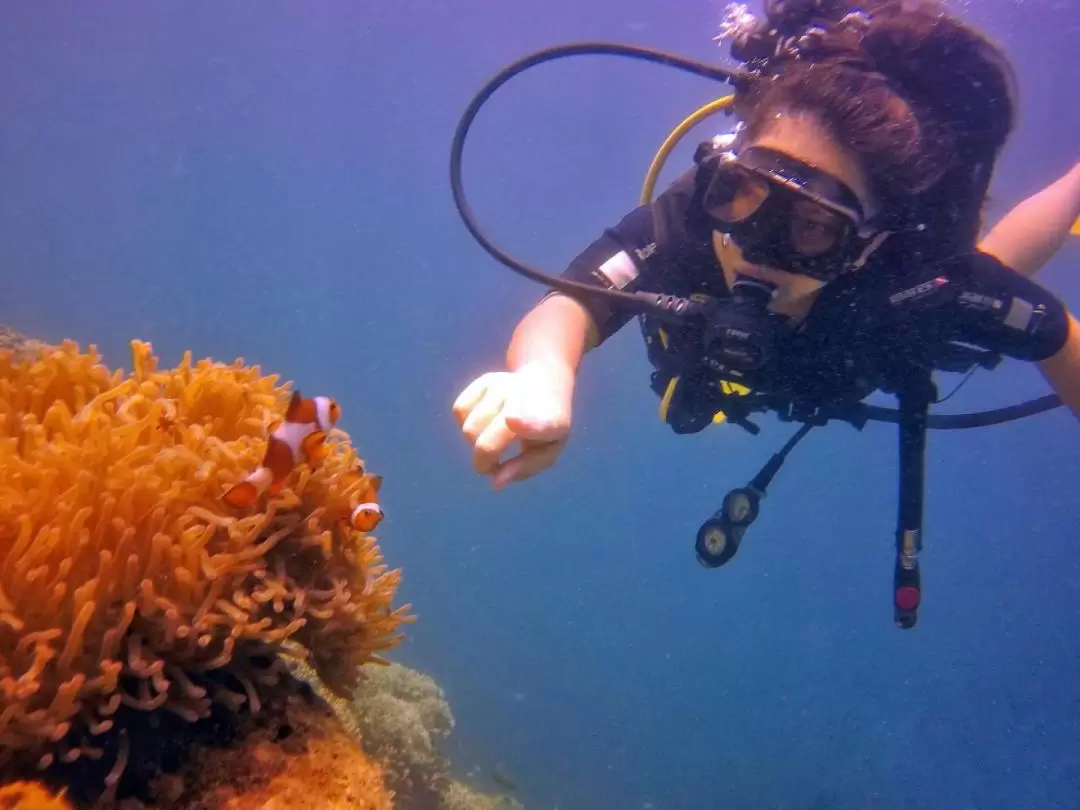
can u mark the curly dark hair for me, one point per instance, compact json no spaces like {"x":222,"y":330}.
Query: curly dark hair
{"x":924,"y":101}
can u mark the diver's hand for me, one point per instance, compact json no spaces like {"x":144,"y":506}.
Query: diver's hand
{"x":531,"y":406}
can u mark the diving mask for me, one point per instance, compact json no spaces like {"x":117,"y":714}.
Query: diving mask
{"x":781,"y":212}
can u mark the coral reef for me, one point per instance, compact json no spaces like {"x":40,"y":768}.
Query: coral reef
{"x":458,"y":796}
{"x":295,"y":754}
{"x":129,"y":590}
{"x":401,"y":718}
{"x":19,"y":345}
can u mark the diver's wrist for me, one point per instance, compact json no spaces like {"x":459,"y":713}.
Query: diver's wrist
{"x":553,"y":373}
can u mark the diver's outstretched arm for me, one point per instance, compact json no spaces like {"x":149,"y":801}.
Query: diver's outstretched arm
{"x":1062,"y":370}
{"x":1029,"y":235}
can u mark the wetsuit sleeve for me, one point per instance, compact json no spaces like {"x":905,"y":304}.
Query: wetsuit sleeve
{"x":1000,"y":310}
{"x":613,"y":261}
{"x":624,"y":257}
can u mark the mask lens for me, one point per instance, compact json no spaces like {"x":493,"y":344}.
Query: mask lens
{"x":816,"y":230}
{"x":783,"y":213}
{"x":734,"y":195}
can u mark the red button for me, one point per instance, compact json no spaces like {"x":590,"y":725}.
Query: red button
{"x":907,"y":597}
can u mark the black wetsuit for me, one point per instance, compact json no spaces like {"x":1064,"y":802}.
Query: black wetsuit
{"x":896,"y":308}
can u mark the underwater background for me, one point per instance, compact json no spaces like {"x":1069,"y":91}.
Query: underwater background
{"x":270,"y":180}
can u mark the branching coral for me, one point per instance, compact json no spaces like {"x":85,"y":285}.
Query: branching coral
{"x":19,"y":345}
{"x":124,"y":579}
{"x":401,"y":717}
{"x":459,"y":796}
{"x":404,"y":719}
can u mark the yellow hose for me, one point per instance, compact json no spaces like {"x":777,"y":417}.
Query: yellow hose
{"x":676,"y":135}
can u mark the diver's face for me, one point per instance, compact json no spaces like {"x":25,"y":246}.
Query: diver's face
{"x":803,"y":138}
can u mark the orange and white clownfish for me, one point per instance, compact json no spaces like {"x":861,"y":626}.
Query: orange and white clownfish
{"x":300,"y":436}
{"x":367,"y":513}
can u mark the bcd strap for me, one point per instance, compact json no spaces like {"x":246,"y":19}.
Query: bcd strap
{"x":690,"y":407}
{"x":683,"y":406}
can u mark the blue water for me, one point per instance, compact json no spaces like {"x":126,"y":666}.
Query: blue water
{"x":269,"y":180}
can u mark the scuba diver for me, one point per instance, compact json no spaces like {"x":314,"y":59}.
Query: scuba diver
{"x":823,"y":251}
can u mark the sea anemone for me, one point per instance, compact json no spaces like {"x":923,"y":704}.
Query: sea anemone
{"x":125,"y":581}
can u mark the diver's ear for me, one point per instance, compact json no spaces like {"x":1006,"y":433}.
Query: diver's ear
{"x":872,"y":244}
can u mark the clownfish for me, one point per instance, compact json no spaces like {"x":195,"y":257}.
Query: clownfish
{"x":300,"y":436}
{"x":367,"y":513}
